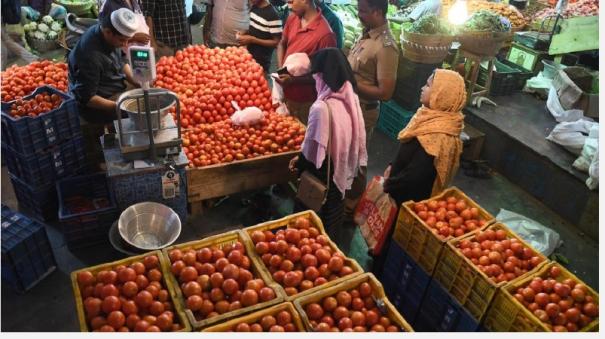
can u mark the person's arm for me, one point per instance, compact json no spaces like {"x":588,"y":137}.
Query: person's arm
{"x":281,"y":51}
{"x":418,"y":167}
{"x":101,"y":104}
{"x":128,"y":73}
{"x":148,"y":11}
{"x":386,"y":72}
{"x":246,"y":39}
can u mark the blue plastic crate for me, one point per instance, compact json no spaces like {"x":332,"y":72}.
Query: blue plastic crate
{"x":146,"y":186}
{"x":39,"y":202}
{"x":405,"y":281}
{"x":27,"y":256}
{"x":38,"y":169}
{"x":27,"y":135}
{"x":393,"y":118}
{"x":440,"y":312}
{"x":85,"y":228}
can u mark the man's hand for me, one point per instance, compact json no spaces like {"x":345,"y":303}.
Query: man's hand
{"x":284,"y":79}
{"x":140,"y":37}
{"x":292,"y":165}
{"x":387,"y":172}
{"x":245,"y":39}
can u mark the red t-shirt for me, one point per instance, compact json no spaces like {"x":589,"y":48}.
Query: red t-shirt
{"x":317,"y":35}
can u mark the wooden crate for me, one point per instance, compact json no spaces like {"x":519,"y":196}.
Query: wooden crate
{"x":256,"y":316}
{"x":418,"y":239}
{"x":223,"y":179}
{"x":383,"y":303}
{"x":285,"y":222}
{"x":464,"y":281}
{"x":220,"y":241}
{"x":507,"y":314}
{"x":178,"y":308}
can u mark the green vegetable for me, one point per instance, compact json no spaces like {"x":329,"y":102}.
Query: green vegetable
{"x":430,"y":24}
{"x":484,"y":20}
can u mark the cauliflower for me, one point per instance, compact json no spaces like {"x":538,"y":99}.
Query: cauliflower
{"x":47,"y":19}
{"x":52,"y":35}
{"x":39,"y":35}
{"x":55,"y":26}
{"x":31,"y":34}
{"x":43,"y":28}
{"x":30,"y":27}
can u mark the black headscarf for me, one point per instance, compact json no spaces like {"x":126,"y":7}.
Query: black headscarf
{"x":334,"y":67}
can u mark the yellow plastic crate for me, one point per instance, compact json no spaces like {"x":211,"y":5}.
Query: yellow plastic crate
{"x":256,"y":316}
{"x":219,"y":241}
{"x":389,"y":310}
{"x":178,"y":309}
{"x":285,"y":223}
{"x":464,"y":281}
{"x":507,"y":314}
{"x":418,"y":239}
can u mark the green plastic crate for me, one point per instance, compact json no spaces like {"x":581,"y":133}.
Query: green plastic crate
{"x":393,"y":118}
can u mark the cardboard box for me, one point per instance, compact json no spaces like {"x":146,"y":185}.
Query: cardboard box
{"x":574,"y":87}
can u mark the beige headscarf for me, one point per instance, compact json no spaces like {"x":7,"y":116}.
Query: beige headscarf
{"x":438,"y":127}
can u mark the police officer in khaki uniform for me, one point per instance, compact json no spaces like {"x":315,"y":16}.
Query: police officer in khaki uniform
{"x":374,"y":59}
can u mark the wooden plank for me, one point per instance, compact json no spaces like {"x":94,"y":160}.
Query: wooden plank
{"x":577,"y":34}
{"x":224,"y":179}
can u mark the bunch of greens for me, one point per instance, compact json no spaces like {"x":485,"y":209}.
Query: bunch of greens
{"x":484,"y":20}
{"x":430,"y":24}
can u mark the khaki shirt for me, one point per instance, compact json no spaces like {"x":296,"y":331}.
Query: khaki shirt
{"x":374,"y":56}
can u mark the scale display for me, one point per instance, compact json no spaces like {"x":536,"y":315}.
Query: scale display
{"x":142,"y":62}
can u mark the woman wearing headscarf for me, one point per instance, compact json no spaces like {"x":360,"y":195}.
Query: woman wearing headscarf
{"x":335,"y":117}
{"x":430,"y":147}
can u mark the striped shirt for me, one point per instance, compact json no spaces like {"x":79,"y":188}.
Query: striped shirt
{"x":264,"y":24}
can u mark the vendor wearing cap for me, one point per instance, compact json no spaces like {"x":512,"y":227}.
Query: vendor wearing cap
{"x":97,"y":70}
{"x":98,"y":74}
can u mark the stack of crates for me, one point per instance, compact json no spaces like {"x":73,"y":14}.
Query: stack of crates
{"x":411,"y":77}
{"x":27,"y":256}
{"x":40,"y":150}
{"x":404,"y":281}
{"x":393,"y":118}
{"x":87,"y":209}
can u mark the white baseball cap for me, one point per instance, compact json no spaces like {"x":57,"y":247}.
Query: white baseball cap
{"x":124,"y":22}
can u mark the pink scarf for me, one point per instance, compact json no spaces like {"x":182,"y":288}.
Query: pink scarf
{"x":348,"y":140}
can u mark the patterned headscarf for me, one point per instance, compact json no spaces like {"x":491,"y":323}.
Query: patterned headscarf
{"x":438,"y":126}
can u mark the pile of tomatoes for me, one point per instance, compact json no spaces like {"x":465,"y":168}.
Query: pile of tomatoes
{"x":223,"y":142}
{"x":349,"y":311}
{"x":217,"y":280}
{"x":35,"y":106}
{"x":500,"y":257}
{"x":20,"y":81}
{"x":128,"y":298}
{"x":449,"y":217}
{"x":299,"y":257}
{"x":564,"y":305}
{"x":280,"y":322}
{"x":207,"y":80}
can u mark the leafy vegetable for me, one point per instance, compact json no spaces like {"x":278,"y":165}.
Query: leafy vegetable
{"x":485,"y":20}
{"x":430,"y":24}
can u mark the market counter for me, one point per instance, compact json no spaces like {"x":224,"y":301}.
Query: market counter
{"x":516,"y":146}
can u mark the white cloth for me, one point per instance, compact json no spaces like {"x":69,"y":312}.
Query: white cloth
{"x":426,"y":7}
{"x":229,"y":17}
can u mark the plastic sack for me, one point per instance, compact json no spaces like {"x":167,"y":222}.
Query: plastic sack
{"x":277,"y":97}
{"x":571,"y":135}
{"x":537,"y":235}
{"x":247,"y":116}
{"x":589,"y":150}
{"x":593,"y":171}
{"x":29,"y":13}
{"x":375,"y":214}
{"x":558,"y":112}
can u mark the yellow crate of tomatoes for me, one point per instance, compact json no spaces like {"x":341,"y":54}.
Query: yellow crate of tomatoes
{"x":356,"y":305}
{"x":215,"y":279}
{"x":552,"y":299}
{"x":132,"y":294}
{"x":424,"y":227}
{"x":296,"y":252}
{"x":474,"y":267}
{"x":278,"y":318}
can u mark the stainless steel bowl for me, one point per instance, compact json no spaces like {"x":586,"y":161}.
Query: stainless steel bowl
{"x":159,"y":106}
{"x":149,"y":225}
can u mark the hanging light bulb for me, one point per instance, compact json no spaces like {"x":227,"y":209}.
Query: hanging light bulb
{"x":458,"y":13}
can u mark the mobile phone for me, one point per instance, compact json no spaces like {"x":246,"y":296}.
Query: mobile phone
{"x":282,"y":71}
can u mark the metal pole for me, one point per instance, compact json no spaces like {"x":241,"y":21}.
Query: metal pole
{"x":152,"y":149}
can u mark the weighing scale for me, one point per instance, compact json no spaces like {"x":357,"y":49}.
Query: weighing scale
{"x":149,"y":131}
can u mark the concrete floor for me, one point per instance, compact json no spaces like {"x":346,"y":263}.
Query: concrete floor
{"x":52,"y":302}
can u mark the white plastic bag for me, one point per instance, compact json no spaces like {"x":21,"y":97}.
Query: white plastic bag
{"x":589,"y":150}
{"x":571,"y":135}
{"x":277,"y":96}
{"x":593,"y":171}
{"x":246,"y":116}
{"x":554,"y":107}
{"x":537,"y":235}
